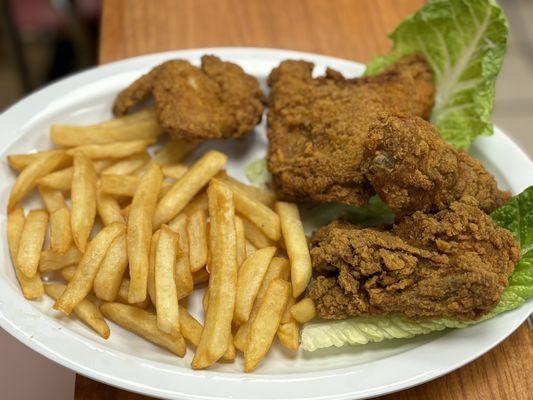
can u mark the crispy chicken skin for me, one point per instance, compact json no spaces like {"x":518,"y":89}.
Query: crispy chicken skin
{"x":411,"y":168}
{"x":453,"y":264}
{"x":317,"y":126}
{"x":215,"y":101}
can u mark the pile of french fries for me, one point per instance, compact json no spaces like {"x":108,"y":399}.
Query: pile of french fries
{"x":133,"y":235}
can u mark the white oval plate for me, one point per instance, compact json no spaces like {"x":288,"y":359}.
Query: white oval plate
{"x":129,"y":362}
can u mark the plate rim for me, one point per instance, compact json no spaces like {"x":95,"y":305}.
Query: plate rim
{"x":131,"y":385}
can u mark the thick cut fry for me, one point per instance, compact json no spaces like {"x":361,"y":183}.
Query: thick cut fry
{"x":31,"y":242}
{"x":82,"y":282}
{"x":151,"y":267}
{"x":113,"y":150}
{"x":174,"y":171}
{"x":250,"y":248}
{"x":120,"y":130}
{"x":251,"y":274}
{"x":223,"y":279}
{"x":165,"y":287}
{"x":52,"y":261}
{"x":262,"y":216}
{"x":144,"y":324}
{"x":287,"y":316}
{"x":32,"y":288}
{"x":62,"y":179}
{"x":174,"y":151}
{"x":200,"y":277}
{"x":263,"y":195}
{"x":108,"y":208}
{"x":289,"y":335}
{"x":205,"y":300}
{"x":41,"y":166}
{"x":109,"y":277}
{"x":188,"y":186}
{"x":140,"y":231}
{"x":20,"y":161}
{"x":199,"y":202}
{"x":197,"y":238}
{"x":182,"y":269}
{"x":254,"y":235}
{"x":303,"y":311}
{"x":60,"y":230}
{"x":296,"y":244}
{"x":241,"y":241}
{"x":83,"y":200}
{"x":128,"y":165}
{"x":266,"y":323}
{"x":126,"y":185}
{"x":86,"y":310}
{"x":278,"y":269}
{"x":53,"y":199}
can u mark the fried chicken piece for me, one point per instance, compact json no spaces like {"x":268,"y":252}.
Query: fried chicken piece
{"x":412,"y":168}
{"x":215,"y":101}
{"x":454,"y":264}
{"x":317,"y":126}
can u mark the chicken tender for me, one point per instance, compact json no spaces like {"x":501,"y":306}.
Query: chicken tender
{"x":412,"y":168}
{"x":215,"y":101}
{"x":317,"y":127}
{"x":454,"y":264}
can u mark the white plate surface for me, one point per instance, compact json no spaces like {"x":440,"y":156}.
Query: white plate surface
{"x":134,"y":364}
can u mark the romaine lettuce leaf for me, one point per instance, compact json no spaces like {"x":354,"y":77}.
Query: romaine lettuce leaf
{"x":516,"y":216}
{"x":464,"y":42}
{"x":257,"y":172}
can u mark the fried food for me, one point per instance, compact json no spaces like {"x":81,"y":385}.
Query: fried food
{"x":317,"y":127}
{"x":412,"y":169}
{"x":453,"y":264}
{"x":218,"y":100}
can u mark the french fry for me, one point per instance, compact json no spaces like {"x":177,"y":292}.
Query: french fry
{"x":122,"y":296}
{"x":303,"y":311}
{"x":197,"y":238}
{"x":250,"y":248}
{"x":32,"y":288}
{"x":82,"y":282}
{"x":200,"y":277}
{"x":188,"y":186}
{"x":263,"y":195}
{"x":205,"y":300}
{"x":112,"y":150}
{"x":174,"y":151}
{"x":165,"y":286}
{"x":190,"y":328}
{"x":174,"y":171}
{"x":254,"y":235}
{"x":241,"y":241}
{"x":41,"y":166}
{"x":251,"y":274}
{"x":109,"y":277}
{"x":262,"y":216}
{"x":278,"y":269}
{"x":86,"y":310}
{"x":140,"y":231}
{"x":52,"y":261}
{"x":289,"y":335}
{"x":151,"y":267}
{"x":266,"y":323}
{"x":199,"y":202}
{"x":31,"y":242}
{"x":287,"y":316}
{"x":128,"y":165}
{"x":60,"y":230}
{"x":296,"y":243}
{"x":182,"y":268}
{"x":62,"y":179}
{"x":83,"y":200}
{"x":125,"y":185}
{"x":144,"y":324}
{"x":20,"y":161}
{"x":223,"y":279}
{"x":108,"y":208}
{"x":131,"y":127}
{"x":53,"y":199}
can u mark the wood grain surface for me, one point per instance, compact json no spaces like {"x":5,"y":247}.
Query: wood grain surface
{"x":352,"y":29}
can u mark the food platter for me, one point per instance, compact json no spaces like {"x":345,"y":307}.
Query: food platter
{"x":129,"y":362}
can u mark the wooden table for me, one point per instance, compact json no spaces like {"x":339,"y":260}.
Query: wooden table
{"x":353,"y":29}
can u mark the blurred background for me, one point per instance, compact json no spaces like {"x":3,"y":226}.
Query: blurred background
{"x":44,"y":40}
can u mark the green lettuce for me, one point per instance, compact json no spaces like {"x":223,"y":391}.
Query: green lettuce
{"x":257,"y":172}
{"x":464,"y":42}
{"x":516,"y":216}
